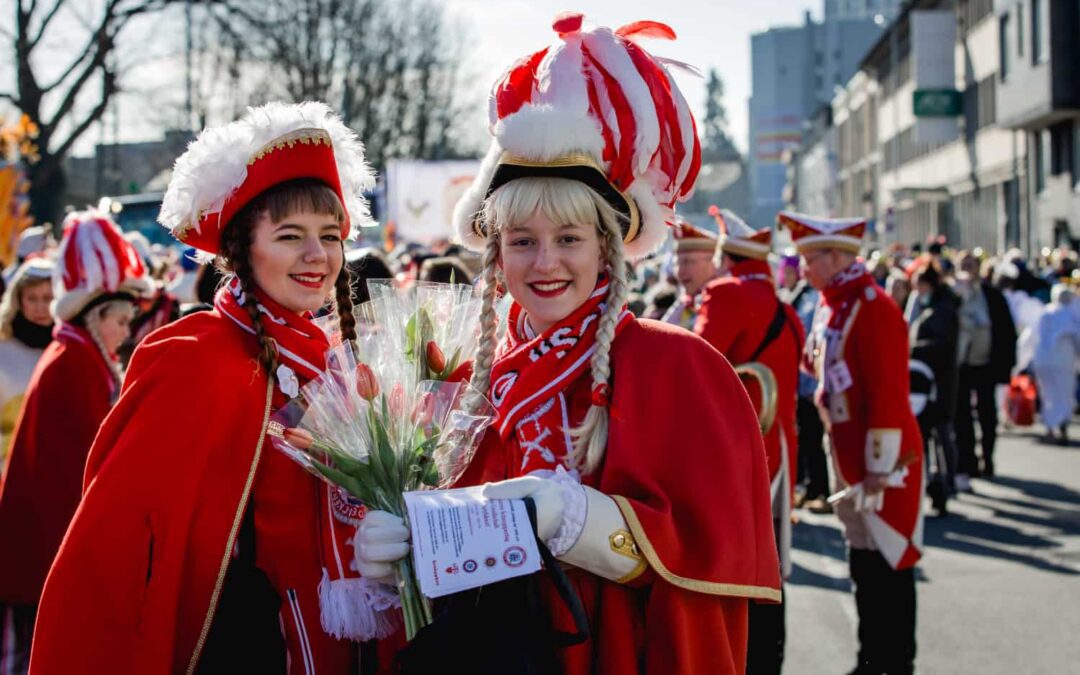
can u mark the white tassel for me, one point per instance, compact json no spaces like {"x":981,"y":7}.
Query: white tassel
{"x":358,"y":609}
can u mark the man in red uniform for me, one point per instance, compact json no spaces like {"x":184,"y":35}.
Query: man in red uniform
{"x":858,"y":350}
{"x":742,"y":317}
{"x":694,"y":267}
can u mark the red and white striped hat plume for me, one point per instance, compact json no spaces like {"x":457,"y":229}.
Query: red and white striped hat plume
{"x":595,"y":97}
{"x":94,"y":260}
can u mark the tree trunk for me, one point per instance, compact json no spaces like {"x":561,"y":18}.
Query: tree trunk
{"x":47,"y":185}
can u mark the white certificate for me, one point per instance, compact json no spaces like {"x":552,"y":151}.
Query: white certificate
{"x":462,"y":540}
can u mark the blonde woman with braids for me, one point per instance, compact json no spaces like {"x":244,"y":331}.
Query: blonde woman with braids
{"x":629,"y":435}
{"x":195,"y":548}
{"x":70,"y":391}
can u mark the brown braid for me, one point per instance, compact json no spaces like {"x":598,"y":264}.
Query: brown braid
{"x":236,"y":249}
{"x":343,"y":301}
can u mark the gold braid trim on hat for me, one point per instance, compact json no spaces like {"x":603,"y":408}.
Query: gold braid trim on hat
{"x":310,"y":136}
{"x":304,"y":136}
{"x":568,"y":161}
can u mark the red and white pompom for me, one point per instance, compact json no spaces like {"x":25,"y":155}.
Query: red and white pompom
{"x":94,"y":259}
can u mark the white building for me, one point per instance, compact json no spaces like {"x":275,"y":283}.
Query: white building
{"x":946,"y":167}
{"x":1038,"y":95}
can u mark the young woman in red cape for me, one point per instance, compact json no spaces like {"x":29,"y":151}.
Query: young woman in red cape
{"x":195,"y":548}
{"x":74,"y":383}
{"x":623,"y":431}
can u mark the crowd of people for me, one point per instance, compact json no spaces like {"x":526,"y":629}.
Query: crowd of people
{"x":666,"y":364}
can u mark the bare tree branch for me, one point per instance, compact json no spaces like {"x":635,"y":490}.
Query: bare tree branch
{"x":108,"y":89}
{"x":45,"y":22}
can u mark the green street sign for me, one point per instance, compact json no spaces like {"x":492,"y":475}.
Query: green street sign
{"x":937,"y":103}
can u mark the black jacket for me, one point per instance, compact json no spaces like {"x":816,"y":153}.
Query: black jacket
{"x":1002,"y":335}
{"x":933,"y":338}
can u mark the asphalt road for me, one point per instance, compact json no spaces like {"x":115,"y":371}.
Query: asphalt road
{"x":998,"y":587}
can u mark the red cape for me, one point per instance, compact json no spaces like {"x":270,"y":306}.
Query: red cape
{"x":734,"y":318}
{"x":136,"y":582}
{"x":65,"y":402}
{"x":874,"y":347}
{"x":686,"y":465}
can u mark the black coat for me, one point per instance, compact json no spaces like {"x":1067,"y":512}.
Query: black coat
{"x":1002,"y":335}
{"x":933,"y":338}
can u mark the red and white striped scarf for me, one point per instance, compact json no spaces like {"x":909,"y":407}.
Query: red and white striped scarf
{"x":301,"y":345}
{"x":531,"y":373}
{"x":350,"y":607}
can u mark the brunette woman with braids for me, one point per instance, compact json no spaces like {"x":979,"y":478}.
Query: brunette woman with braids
{"x":627,"y":434}
{"x":196,"y":548}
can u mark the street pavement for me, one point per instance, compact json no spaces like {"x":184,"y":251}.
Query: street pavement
{"x":998,"y":586}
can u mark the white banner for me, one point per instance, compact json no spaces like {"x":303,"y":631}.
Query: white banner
{"x":421,"y":195}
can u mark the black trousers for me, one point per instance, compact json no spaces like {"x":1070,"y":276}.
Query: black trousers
{"x":885,"y":600}
{"x":976,"y":379}
{"x":813,"y":473}
{"x":766,"y":636}
{"x":766,"y":630}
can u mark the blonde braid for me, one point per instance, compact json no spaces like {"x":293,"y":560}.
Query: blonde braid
{"x":92,"y":324}
{"x":590,"y":439}
{"x":489,"y":320}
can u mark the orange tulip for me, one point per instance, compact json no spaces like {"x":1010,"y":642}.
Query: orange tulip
{"x":300,"y":439}
{"x":436,"y":358}
{"x":366,"y":384}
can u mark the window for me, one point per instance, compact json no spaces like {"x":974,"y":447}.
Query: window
{"x":1003,"y":47}
{"x":1020,"y":29}
{"x":1041,"y":140}
{"x":980,"y":106}
{"x":971,"y":12}
{"x":1061,"y":150}
{"x":1039,"y":46}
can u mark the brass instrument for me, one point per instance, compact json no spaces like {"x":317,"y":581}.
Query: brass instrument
{"x":769,"y":397}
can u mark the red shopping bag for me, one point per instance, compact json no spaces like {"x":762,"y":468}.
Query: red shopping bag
{"x":1020,"y":400}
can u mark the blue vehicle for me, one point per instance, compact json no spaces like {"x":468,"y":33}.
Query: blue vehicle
{"x":138,"y":213}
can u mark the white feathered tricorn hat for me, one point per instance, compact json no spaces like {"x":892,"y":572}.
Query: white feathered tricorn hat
{"x":94,"y":263}
{"x":228,"y":166}
{"x":595,"y":107}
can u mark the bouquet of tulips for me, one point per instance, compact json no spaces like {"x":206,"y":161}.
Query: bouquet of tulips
{"x":389,"y":416}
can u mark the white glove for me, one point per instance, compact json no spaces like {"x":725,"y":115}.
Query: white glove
{"x":381,"y":540}
{"x":545,"y":492}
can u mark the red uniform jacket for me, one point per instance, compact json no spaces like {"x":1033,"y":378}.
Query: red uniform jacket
{"x":67,"y":398}
{"x":734,"y":317}
{"x":858,"y":350}
{"x":683,"y":440}
{"x":135,"y":584}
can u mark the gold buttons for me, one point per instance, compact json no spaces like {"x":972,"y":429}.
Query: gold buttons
{"x":622,"y":542}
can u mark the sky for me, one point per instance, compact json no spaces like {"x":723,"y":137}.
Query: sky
{"x":711,"y":34}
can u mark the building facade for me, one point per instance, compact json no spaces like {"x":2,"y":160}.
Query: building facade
{"x":1038,"y":96}
{"x":919,"y":145}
